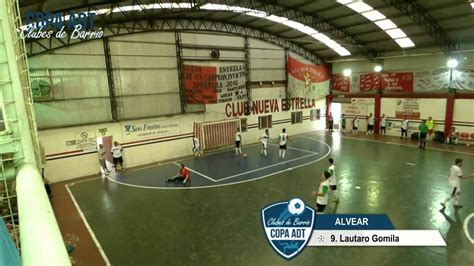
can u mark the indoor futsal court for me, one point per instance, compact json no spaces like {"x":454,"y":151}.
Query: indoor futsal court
{"x":266,"y":132}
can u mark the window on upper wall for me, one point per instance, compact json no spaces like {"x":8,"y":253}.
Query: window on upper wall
{"x":297,"y":117}
{"x":264,"y":121}
{"x":243,"y":124}
{"x":315,"y":114}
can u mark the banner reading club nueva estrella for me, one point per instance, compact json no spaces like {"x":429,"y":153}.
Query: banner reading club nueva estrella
{"x":307,"y":80}
{"x":214,"y":84}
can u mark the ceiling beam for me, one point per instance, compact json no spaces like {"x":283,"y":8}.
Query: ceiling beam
{"x":428,"y":23}
{"x":42,"y":46}
{"x":312,"y":20}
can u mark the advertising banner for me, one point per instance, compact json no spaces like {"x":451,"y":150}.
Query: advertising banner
{"x":214,"y":84}
{"x":307,"y":80}
{"x":340,"y":83}
{"x":407,"y":107}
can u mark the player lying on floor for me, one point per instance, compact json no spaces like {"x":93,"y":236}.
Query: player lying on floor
{"x":183,"y":175}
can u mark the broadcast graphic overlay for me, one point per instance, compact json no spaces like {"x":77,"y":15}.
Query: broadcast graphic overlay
{"x":291,"y":225}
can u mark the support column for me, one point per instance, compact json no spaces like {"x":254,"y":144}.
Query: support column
{"x":248,"y":76}
{"x":377,"y":109}
{"x":448,"y":120}
{"x":110,"y":79}
{"x":328,"y":108}
{"x":287,"y":52}
{"x":179,"y":61}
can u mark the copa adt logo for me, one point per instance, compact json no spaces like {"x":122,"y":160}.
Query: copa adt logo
{"x":288,"y":226}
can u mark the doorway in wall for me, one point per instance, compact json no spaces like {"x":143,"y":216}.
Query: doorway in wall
{"x":336,"y":110}
{"x":106,"y":141}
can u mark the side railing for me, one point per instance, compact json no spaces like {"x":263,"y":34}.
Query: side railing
{"x":40,"y":242}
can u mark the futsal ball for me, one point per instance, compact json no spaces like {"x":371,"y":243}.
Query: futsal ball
{"x":244,"y":155}
{"x":296,"y":206}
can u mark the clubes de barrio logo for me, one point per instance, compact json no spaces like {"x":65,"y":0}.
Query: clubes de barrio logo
{"x":55,"y":25}
{"x":288,"y":226}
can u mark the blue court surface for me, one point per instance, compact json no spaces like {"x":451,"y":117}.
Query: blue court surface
{"x":224,"y":167}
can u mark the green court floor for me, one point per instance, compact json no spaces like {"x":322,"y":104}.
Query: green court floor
{"x":222,"y":225}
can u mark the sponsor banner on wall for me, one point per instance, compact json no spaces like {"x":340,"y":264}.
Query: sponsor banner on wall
{"x":354,"y":109}
{"x":369,"y":82}
{"x":399,"y":81}
{"x":363,"y":100}
{"x":407,"y":107}
{"x":84,"y":140}
{"x":340,"y":83}
{"x":150,"y":129}
{"x":214,"y":84}
{"x":463,"y":79}
{"x":307,"y":80}
{"x":431,"y":80}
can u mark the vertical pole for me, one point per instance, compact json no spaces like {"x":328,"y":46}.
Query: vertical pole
{"x":448,"y":120}
{"x":110,"y":79}
{"x":328,"y":108}
{"x":248,"y":76}
{"x":179,"y":61}
{"x":286,"y":73}
{"x":377,"y":107}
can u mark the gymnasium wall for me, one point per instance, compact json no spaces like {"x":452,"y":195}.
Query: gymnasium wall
{"x":174,"y":143}
{"x":464,"y":115}
{"x":78,"y":80}
{"x":145,"y":75}
{"x":406,"y":63}
{"x":431,"y":100}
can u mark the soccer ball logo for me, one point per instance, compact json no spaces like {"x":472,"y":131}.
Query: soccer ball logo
{"x":296,"y":206}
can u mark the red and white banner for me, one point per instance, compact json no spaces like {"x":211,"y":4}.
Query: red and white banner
{"x":307,"y":80}
{"x":400,"y":81}
{"x":463,"y":79}
{"x":340,"y":83}
{"x":431,"y":80}
{"x":214,"y":84}
{"x":369,"y":82}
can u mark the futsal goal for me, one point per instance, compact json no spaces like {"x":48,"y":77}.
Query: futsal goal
{"x":216,"y":134}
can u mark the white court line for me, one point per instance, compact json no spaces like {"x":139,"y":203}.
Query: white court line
{"x":196,"y":172}
{"x":229,"y":184}
{"x":466,"y":231}
{"x":85,"y":180}
{"x":407,"y":145}
{"x":412,"y":164}
{"x":99,"y":247}
{"x":269,"y":166}
{"x":291,"y":148}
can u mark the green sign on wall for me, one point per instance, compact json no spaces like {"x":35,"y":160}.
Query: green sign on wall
{"x":40,"y":89}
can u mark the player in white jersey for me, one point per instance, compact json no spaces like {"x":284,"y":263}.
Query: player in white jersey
{"x":333,"y":180}
{"x":383,"y":124}
{"x":355,"y":125}
{"x":283,"y":138}
{"x":117,"y":155}
{"x":196,"y":147}
{"x":264,"y":138}
{"x":322,"y":193}
{"x":370,"y":124}
{"x":455,"y":176}
{"x":238,"y":142}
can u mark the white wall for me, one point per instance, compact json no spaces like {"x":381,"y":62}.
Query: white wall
{"x":435,"y":108}
{"x":60,"y":167}
{"x":463,"y":118}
